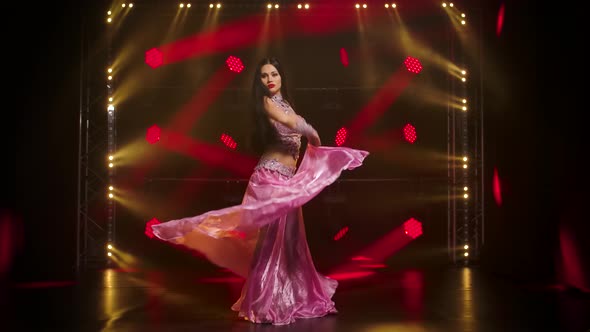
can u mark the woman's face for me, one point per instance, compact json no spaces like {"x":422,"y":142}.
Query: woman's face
{"x":270,"y":77}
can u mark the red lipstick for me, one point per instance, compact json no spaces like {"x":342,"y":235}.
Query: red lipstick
{"x":270,"y":86}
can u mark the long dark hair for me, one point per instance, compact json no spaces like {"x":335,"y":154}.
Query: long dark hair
{"x":265,"y":133}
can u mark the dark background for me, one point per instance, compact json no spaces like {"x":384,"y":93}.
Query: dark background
{"x":534,"y":136}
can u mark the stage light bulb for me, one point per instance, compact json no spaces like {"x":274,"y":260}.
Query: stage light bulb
{"x":464,"y":166}
{"x":357,"y":6}
{"x":306,"y":6}
{"x":110,"y":254}
{"x":364,"y":5}
{"x":466,"y":247}
{"x":110,"y":246}
{"x":111,"y":188}
{"x":111,"y":165}
{"x":386,"y":5}
{"x":466,"y":254}
{"x":188,"y":5}
{"x":123,"y":5}
{"x":466,"y":196}
{"x":276,"y":6}
{"x":210,"y":5}
{"x":111,"y":107}
{"x":465,"y":108}
{"x":109,"y":12}
{"x":110,"y":195}
{"x":131,"y":5}
{"x":218,"y":5}
{"x":111,"y":157}
{"x":269,"y":6}
{"x":464,"y":101}
{"x":463,"y":22}
{"x":465,"y":188}
{"x":181,"y":5}
{"x":464,"y":158}
{"x":109,"y":20}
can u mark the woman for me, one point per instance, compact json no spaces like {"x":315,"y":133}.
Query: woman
{"x":263,"y":239}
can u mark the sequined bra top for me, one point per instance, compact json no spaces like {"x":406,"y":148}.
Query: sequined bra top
{"x":289,"y":139}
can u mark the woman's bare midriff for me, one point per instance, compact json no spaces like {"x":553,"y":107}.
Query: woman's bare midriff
{"x":283,"y":158}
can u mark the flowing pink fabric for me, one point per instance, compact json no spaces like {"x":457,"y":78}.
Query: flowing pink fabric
{"x":263,"y":239}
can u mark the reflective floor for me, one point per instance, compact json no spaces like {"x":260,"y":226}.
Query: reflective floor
{"x":447,"y":299}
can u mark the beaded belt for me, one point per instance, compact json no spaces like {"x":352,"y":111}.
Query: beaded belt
{"x":275,"y":165}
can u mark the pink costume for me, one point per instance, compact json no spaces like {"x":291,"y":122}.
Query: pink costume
{"x":263,"y":239}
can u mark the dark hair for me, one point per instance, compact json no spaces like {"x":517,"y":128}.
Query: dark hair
{"x":265,"y":133}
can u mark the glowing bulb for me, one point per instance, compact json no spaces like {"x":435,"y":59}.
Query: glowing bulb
{"x":111,"y":157}
{"x":218,"y":5}
{"x":466,"y":196}
{"x":110,"y":99}
{"x":111,"y":165}
{"x":109,"y":12}
{"x":306,"y":6}
{"x":466,"y":247}
{"x":111,"y":188}
{"x":109,"y":20}
{"x":464,"y":166}
{"x":110,"y":254}
{"x":466,"y":254}
{"x":110,"y":246}
{"x":464,"y":158}
{"x":465,"y":188}
{"x":110,"y":195}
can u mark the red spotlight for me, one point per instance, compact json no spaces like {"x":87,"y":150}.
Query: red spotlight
{"x":234,"y":64}
{"x":153,"y":58}
{"x":228,"y":141}
{"x":153,"y":134}
{"x":413,"y":65}
{"x":148,"y":227}
{"x":410,"y":133}
{"x":344,"y":57}
{"x":340,"y":233}
{"x":340,"y":136}
{"x":413,"y":228}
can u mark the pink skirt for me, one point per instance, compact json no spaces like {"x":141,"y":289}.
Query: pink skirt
{"x":263,"y":239}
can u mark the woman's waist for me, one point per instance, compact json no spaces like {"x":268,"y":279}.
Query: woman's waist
{"x":283,"y":164}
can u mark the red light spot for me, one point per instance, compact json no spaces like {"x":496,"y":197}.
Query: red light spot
{"x":153,"y":58}
{"x":228,"y":141}
{"x":340,"y":233}
{"x":153,"y":134}
{"x":413,"y":228}
{"x":496,"y":188}
{"x":341,"y":136}
{"x":413,"y":65}
{"x":500,"y":20}
{"x":234,"y":64}
{"x":344,"y":57}
{"x":148,"y":227}
{"x":410,"y":133}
